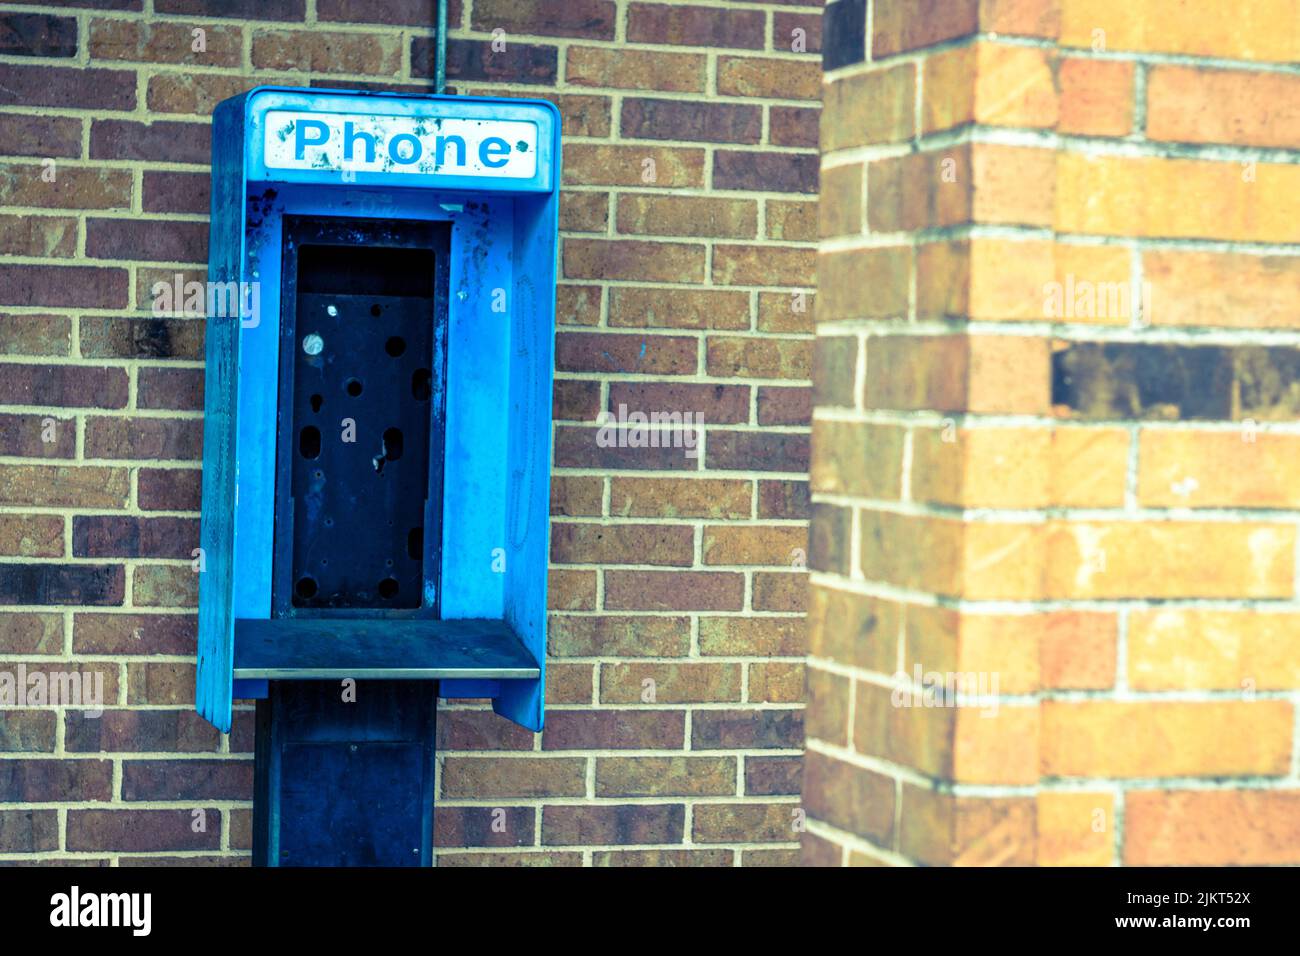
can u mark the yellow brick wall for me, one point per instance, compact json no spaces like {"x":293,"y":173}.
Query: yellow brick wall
{"x":1054,"y":441}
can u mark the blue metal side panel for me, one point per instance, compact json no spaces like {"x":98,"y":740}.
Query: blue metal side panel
{"x":221,"y":390}
{"x":529,"y":462}
{"x":259,"y":357}
{"x":474,"y":552}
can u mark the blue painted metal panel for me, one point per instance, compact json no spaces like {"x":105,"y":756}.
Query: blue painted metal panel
{"x":220,"y":421}
{"x":250,"y":689}
{"x":503,"y":248}
{"x":529,"y":459}
{"x":462,"y":689}
{"x":478,"y":366}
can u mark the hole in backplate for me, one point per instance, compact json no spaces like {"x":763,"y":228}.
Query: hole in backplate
{"x":309,"y":442}
{"x":421,"y":384}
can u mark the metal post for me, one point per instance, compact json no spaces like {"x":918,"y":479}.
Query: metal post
{"x":440,"y":74}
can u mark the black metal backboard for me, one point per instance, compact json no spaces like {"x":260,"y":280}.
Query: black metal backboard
{"x":362,"y":372}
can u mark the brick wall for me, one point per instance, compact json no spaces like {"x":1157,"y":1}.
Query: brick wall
{"x":1054,"y":438}
{"x":688,"y":217}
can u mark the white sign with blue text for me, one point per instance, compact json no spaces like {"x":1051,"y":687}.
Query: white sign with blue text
{"x":404,"y":145}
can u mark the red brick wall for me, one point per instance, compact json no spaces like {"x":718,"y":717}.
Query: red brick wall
{"x":1055,"y":439}
{"x":688,"y":218}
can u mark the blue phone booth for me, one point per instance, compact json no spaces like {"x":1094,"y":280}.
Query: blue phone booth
{"x":376,"y":446}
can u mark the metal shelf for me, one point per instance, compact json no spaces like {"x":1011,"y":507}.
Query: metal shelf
{"x":379,"y":649}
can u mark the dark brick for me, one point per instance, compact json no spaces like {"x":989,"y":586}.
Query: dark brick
{"x":29,"y":831}
{"x":590,"y":19}
{"x":55,"y":779}
{"x":122,"y":536}
{"x":55,"y":584}
{"x":475,"y":60}
{"x":784,"y":25}
{"x":680,"y":119}
{"x":417,"y":13}
{"x":37,"y":34}
{"x":23,"y":436}
{"x":579,"y":447}
{"x":63,"y":287}
{"x":414,"y":89}
{"x":844,"y":33}
{"x":105,"y":4}
{"x":142,"y":438}
{"x":177,"y":192}
{"x":574,"y":400}
{"x":243,"y":732}
{"x":187,"y":779}
{"x":178,"y":388}
{"x":747,"y":729}
{"x":772,"y":776}
{"x":795,"y":126}
{"x":109,"y":337}
{"x":170,"y":489}
{"x":480,"y":730}
{"x":757,"y":451}
{"x":243,"y":9}
{"x":765,"y":171}
{"x":57,"y":136}
{"x":157,"y":142}
{"x":784,"y":406}
{"x":154,"y":240}
{"x":614,"y":730}
{"x":66,"y":88}
{"x":783,"y":499}
{"x":718,"y":404}
{"x":173,"y":634}
{"x":1130,"y":381}
{"x":484,"y":826}
{"x":139,"y":731}
{"x":144,"y":830}
{"x":74,"y":386}
{"x":618,"y":824}
{"x":696,"y":26}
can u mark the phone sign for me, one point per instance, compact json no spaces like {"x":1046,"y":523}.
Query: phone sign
{"x":401,"y":145}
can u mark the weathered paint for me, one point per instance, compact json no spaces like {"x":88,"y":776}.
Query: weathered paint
{"x":499,"y":369}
